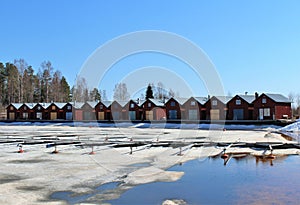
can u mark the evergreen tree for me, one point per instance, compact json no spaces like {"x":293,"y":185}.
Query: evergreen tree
{"x":65,"y":90}
{"x":12,"y":83}
{"x":3,"y":85}
{"x":149,"y":92}
{"x":95,"y":95}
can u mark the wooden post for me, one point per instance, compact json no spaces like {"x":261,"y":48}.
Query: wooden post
{"x":92,"y":152}
{"x":55,"y":150}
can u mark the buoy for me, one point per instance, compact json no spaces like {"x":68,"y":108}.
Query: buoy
{"x":20,"y":149}
{"x":224,"y":156}
{"x":271,"y":156}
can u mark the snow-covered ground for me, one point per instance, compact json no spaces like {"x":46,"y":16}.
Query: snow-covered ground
{"x":30,"y":177}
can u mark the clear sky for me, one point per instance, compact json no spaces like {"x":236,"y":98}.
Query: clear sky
{"x":254,"y":45}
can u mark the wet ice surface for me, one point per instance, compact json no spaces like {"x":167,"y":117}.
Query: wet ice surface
{"x":33,"y":176}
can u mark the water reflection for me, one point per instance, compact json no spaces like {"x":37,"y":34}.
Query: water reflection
{"x":244,"y":180}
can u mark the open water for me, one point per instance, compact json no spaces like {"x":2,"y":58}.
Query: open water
{"x":247,"y":180}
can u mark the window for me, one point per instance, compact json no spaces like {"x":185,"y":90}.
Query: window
{"x":267,"y":112}
{"x":173,"y":104}
{"x":69,"y":107}
{"x":53,"y":107}
{"x":101,"y":107}
{"x":149,"y":104}
{"x":25,"y":108}
{"x":214,"y":102}
{"x":131,"y":105}
{"x":264,"y":100}
{"x":238,"y":102}
{"x":25,"y":115}
{"x":11,"y":108}
{"x":39,"y":108}
{"x":193,"y":103}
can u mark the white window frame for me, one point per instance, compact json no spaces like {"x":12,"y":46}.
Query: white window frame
{"x":193,"y":103}
{"x":264,"y":100}
{"x":214,"y":102}
{"x":238,"y":102}
{"x":131,"y":105}
{"x":267,"y":112}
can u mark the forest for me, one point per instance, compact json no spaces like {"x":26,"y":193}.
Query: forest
{"x":20,"y":83}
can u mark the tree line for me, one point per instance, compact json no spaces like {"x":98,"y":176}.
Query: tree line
{"x":20,"y":84}
{"x":152,"y":91}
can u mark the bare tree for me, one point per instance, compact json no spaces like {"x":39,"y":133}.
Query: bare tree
{"x":103,"y":95}
{"x":80,"y":91}
{"x":291,"y":97}
{"x":120,"y":92}
{"x":171,"y":93}
{"x":22,"y":66}
{"x":47,"y":70}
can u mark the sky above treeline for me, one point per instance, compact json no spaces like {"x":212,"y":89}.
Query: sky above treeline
{"x":254,"y":45}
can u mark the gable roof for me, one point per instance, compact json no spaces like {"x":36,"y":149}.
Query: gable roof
{"x":201,"y":100}
{"x":223,"y":99}
{"x":181,"y":101}
{"x":77,"y":105}
{"x":106,"y":103}
{"x":92,"y":104}
{"x":248,"y":98}
{"x":16,"y":105}
{"x":278,"y":98}
{"x":59,"y":105}
{"x":156,"y":102}
{"x":121,"y":102}
{"x":30,"y":105}
{"x":45,"y":105}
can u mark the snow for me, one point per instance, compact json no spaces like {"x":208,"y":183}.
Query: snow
{"x":31,"y":177}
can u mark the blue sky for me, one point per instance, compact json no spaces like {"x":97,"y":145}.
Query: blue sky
{"x":254,"y":45}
